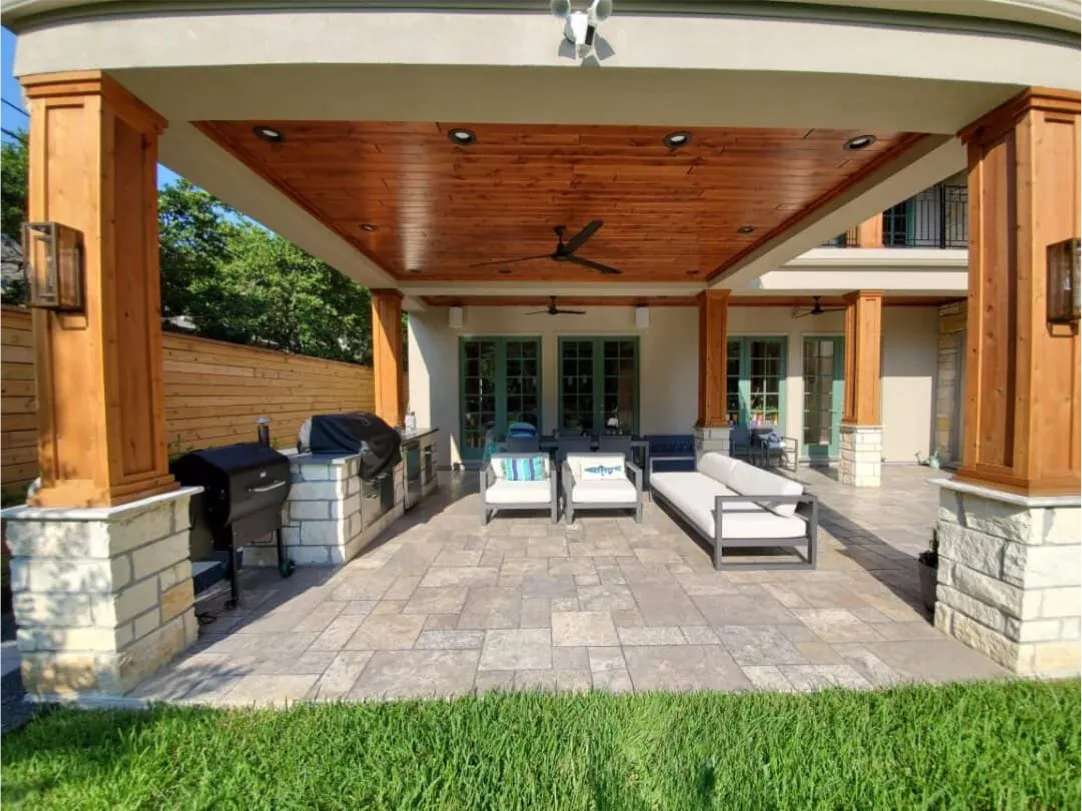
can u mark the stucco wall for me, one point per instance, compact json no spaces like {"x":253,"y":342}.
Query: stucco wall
{"x":669,"y":358}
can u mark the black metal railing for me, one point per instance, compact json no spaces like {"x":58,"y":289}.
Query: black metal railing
{"x":938,"y":217}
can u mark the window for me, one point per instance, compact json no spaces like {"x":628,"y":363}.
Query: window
{"x":755,"y":374}
{"x":500,"y":385}
{"x":599,"y":385}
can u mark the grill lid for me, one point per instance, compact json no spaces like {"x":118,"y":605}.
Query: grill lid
{"x":237,"y":480}
{"x":355,"y":432}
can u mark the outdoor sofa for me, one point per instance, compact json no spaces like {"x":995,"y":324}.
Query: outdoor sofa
{"x":732,"y":504}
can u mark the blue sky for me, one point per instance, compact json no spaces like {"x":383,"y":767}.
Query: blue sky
{"x":9,"y":87}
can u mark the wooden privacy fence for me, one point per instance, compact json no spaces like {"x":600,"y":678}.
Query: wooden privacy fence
{"x":214,"y":392}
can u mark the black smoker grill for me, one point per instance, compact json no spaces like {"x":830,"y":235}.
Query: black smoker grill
{"x":244,"y":487}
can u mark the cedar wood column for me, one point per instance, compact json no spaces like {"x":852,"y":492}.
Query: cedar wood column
{"x":870,"y":232}
{"x":1022,"y":375}
{"x":713,"y":341}
{"x":93,"y":166}
{"x":387,"y":355}
{"x":861,"y":451}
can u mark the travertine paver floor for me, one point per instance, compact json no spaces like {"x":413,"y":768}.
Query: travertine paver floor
{"x":442,"y":606}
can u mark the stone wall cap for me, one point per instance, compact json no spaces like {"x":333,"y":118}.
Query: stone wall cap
{"x":26,"y":512}
{"x":1008,"y":498}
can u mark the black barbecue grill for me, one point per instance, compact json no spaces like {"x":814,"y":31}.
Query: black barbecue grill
{"x":244,"y":488}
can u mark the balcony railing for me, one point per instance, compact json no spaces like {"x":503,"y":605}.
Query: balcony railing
{"x":938,"y":217}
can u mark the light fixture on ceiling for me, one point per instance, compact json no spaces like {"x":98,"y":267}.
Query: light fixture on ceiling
{"x":745,"y":229}
{"x":692,"y":273}
{"x":269,"y":134}
{"x":858,"y":142}
{"x":675,"y":140}
{"x":504,"y":271}
{"x":413,"y":270}
{"x":461,"y":136}
{"x":369,"y":227}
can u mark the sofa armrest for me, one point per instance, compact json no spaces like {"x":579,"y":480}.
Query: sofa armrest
{"x":636,"y":476}
{"x":488,"y":476}
{"x":810,"y":513}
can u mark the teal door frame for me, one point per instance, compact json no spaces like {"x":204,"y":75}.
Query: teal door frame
{"x":837,"y":395}
{"x":598,"y":377}
{"x":500,"y":363}
{"x":744,"y":375}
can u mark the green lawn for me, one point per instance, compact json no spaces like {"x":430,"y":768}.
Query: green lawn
{"x":983,"y":746}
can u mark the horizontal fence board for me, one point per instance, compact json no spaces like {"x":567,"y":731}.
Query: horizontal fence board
{"x":214,"y":392}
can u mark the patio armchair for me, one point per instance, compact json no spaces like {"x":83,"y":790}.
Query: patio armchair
{"x":499,"y":491}
{"x":782,"y":449}
{"x":740,"y":441}
{"x":572,"y":444}
{"x":598,"y":481}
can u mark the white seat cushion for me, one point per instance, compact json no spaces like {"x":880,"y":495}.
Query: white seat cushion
{"x":604,"y":491}
{"x":750,"y":480}
{"x":693,"y":494}
{"x":503,"y":491}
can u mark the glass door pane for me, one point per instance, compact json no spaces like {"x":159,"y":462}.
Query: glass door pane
{"x":765,"y":380}
{"x":479,"y":390}
{"x":822,"y":396}
{"x":523,"y":375}
{"x":577,"y":400}
{"x":736,"y":410}
{"x":619,"y":386}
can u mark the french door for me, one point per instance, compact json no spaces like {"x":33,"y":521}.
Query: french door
{"x":500,"y":383}
{"x":824,"y":371}
{"x":598,"y":385}
{"x":754,"y":381}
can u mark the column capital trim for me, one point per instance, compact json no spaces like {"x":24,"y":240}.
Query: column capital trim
{"x":857,"y":295}
{"x":386,"y":292}
{"x":96,"y":83}
{"x":715,"y":294}
{"x":995,"y":123}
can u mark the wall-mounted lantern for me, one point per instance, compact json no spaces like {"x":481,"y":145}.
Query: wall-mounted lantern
{"x":1064,"y":290}
{"x":53,"y":254}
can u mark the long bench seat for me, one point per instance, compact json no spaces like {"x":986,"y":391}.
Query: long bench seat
{"x":733,"y":504}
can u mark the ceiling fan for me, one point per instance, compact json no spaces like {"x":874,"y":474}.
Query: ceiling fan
{"x":565,"y":251}
{"x":552,"y":309}
{"x":817,"y":308}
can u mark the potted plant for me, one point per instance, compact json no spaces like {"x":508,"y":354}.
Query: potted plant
{"x":928,"y":567}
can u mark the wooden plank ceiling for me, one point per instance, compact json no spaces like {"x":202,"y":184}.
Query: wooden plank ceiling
{"x":438,"y":208}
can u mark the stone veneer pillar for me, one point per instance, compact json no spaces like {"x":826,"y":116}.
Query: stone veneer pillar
{"x":102,"y":595}
{"x":860,"y":455}
{"x":711,"y":438}
{"x":1010,"y":576}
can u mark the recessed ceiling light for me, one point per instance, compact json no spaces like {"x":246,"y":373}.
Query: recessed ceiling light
{"x":461,"y":136}
{"x":675,"y":140}
{"x":504,"y":271}
{"x":692,"y":273}
{"x":745,"y":229}
{"x":413,"y":270}
{"x":369,"y":227}
{"x":860,"y":142}
{"x":269,"y":134}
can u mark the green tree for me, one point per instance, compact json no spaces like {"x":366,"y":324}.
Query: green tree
{"x":14,"y":175}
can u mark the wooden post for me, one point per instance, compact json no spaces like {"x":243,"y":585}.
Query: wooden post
{"x":93,"y":166}
{"x":870,"y":232}
{"x":713,"y":342}
{"x":387,"y":355}
{"x":863,"y":338}
{"x":1022,"y":374}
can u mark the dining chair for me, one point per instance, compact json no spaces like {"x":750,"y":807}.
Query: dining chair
{"x":523,"y":444}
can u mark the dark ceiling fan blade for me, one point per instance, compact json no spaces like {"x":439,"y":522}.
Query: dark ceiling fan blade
{"x":580,"y":238}
{"x":588,"y":263}
{"x":512,"y":261}
{"x":538,"y":312}
{"x":802,"y":315}
{"x":567,"y":312}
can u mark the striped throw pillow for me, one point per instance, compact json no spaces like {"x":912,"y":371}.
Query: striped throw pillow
{"x":524,"y":469}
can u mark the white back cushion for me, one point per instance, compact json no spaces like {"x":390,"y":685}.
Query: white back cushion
{"x":752,"y":481}
{"x":717,"y":466}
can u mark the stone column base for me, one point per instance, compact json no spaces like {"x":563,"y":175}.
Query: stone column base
{"x":1010,"y":576}
{"x":860,"y":455}
{"x":711,"y":438}
{"x":102,"y":596}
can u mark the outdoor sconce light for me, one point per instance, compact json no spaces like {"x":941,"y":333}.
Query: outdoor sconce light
{"x":1064,"y":290}
{"x":54,"y":265}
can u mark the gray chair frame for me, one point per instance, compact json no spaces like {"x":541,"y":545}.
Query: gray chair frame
{"x":634,"y":474}
{"x":807,"y":507}
{"x":488,"y":477}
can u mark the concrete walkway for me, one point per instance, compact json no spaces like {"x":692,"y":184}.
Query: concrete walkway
{"x":443,"y":606}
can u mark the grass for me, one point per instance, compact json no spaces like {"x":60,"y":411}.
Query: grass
{"x":983,"y":745}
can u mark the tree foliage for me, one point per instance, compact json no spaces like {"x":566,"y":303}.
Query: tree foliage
{"x":232,"y":279}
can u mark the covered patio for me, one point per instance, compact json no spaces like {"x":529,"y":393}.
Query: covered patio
{"x":440,"y":606}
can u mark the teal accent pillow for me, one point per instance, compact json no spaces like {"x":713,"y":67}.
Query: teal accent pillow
{"x":524,"y":469}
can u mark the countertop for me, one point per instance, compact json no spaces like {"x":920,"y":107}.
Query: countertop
{"x":416,"y":433}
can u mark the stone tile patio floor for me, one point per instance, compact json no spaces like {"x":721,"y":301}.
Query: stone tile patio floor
{"x":442,"y":606}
